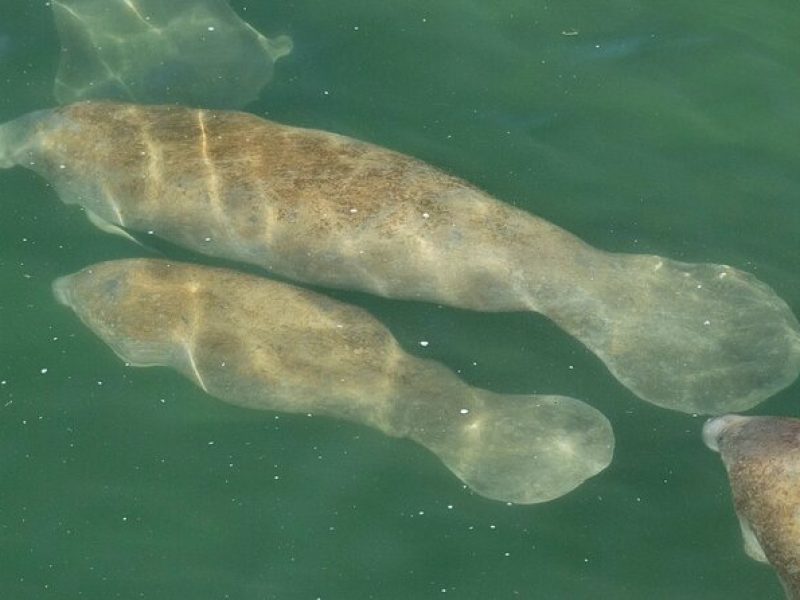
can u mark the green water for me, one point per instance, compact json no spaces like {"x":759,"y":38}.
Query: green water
{"x":657,"y":127}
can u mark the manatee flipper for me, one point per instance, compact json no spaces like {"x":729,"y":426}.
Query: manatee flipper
{"x":110,"y":228}
{"x":752,"y":546}
{"x":266,"y":345}
{"x":762,"y":458}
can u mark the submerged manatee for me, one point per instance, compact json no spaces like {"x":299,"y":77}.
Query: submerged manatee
{"x":267,"y":345}
{"x":150,"y":51}
{"x":762,"y":457}
{"x":326,"y":209}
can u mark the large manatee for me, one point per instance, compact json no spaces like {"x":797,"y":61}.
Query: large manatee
{"x":267,"y":345}
{"x":762,"y":457}
{"x":330,"y":210}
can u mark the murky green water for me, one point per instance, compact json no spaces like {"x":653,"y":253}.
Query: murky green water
{"x":669,"y":128}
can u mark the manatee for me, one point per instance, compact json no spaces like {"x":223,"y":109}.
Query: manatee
{"x":152,"y":51}
{"x":329,"y":210}
{"x":762,"y":458}
{"x":266,"y":345}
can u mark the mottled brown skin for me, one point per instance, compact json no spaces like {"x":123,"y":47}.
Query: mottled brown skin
{"x":266,"y":345}
{"x":762,"y":457}
{"x":315,"y":206}
{"x":326,"y":209}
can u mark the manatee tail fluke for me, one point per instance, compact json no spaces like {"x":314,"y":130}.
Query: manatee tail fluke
{"x":524,"y":449}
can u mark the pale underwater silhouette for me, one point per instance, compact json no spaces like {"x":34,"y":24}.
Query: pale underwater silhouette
{"x":196,"y":52}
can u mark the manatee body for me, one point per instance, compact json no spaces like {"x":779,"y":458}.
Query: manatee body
{"x":762,"y":457}
{"x":330,"y":210}
{"x":267,"y":345}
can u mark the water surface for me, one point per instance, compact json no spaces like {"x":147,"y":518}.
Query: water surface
{"x":666,"y":128}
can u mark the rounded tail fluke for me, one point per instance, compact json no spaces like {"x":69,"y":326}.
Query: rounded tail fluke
{"x":523,"y":449}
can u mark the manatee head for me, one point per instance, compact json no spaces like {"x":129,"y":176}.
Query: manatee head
{"x":120,"y":301}
{"x":715,"y":428}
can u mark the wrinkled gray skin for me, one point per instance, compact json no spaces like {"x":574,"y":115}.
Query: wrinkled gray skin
{"x":325,"y":209}
{"x":267,"y":345}
{"x":762,"y":457}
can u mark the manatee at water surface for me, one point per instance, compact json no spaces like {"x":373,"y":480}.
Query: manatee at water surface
{"x":762,"y":458}
{"x":154,"y":51}
{"x":330,"y":210}
{"x":267,"y":345}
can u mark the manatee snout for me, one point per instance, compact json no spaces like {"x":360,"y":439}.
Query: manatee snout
{"x":714,"y":428}
{"x":87,"y":289}
{"x":62,"y":290}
